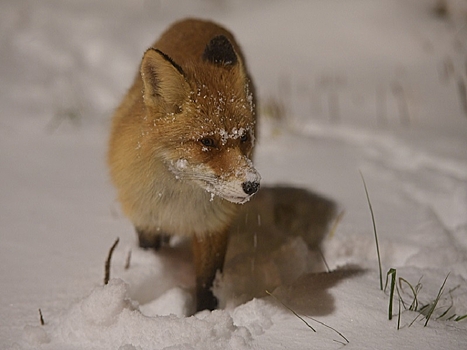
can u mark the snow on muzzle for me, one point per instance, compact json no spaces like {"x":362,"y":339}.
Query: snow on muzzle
{"x":240,"y":187}
{"x":236,"y":186}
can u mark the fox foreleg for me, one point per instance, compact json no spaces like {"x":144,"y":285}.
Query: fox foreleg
{"x":209,"y":254}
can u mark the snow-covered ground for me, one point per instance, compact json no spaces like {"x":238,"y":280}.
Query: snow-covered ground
{"x":376,"y":87}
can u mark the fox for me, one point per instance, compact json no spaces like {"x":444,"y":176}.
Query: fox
{"x":181,"y":145}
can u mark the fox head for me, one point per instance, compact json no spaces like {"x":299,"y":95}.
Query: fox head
{"x":201,"y":119}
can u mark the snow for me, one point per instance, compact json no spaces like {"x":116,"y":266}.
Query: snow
{"x":345,"y":87}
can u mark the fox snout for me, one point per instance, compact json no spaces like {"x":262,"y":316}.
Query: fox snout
{"x":252,"y":183}
{"x":232,"y":192}
{"x":236,"y":185}
{"x":240,"y":190}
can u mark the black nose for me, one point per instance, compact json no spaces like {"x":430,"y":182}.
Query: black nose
{"x":250,"y":187}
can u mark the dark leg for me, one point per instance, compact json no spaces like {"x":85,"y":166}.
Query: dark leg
{"x":148,"y":239}
{"x":209,"y":254}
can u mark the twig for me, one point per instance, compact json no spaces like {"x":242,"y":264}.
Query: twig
{"x":41,"y":318}
{"x":128,"y":260}
{"x":107,"y":262}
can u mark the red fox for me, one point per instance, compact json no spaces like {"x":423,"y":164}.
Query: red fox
{"x":181,"y":144}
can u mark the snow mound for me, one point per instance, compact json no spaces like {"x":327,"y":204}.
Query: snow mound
{"x":108,"y":319}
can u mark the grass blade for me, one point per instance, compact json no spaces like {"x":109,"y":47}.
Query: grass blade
{"x":414,"y":305}
{"x":311,"y":318}
{"x":435,"y":302}
{"x":324,"y":260}
{"x":399,"y":316}
{"x":325,"y":325}
{"x":292,"y":311}
{"x":375,"y":232}
{"x":391,"y":272}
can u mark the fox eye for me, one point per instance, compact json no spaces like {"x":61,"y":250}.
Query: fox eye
{"x":208,"y":142}
{"x":244,"y":138}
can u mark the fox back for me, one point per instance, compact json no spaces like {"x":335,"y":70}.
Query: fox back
{"x":182,"y":141}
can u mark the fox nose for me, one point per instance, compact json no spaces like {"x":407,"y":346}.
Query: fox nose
{"x":250,"y":187}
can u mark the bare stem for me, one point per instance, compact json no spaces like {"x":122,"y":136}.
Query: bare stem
{"x":107,"y":262}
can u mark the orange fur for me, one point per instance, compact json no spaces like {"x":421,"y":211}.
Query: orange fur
{"x":182,"y":141}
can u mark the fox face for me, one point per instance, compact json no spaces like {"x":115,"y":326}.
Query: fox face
{"x":220,"y":167}
{"x":205,"y":130}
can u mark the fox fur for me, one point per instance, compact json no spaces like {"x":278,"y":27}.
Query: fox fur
{"x":181,"y":144}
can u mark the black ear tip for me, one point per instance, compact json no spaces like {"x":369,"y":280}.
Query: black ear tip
{"x":220,"y":51}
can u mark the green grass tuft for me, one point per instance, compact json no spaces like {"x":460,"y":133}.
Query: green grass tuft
{"x":426,"y":311}
{"x":415,"y":290}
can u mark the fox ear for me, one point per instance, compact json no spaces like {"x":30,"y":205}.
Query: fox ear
{"x":164,"y":82}
{"x":220,"y":52}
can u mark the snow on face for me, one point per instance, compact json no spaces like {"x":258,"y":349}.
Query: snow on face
{"x":218,"y":99}
{"x":224,"y":120}
{"x":228,"y":185}
{"x":181,"y":164}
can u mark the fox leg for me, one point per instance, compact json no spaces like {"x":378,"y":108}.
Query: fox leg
{"x":209,"y":254}
{"x":149,"y":239}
